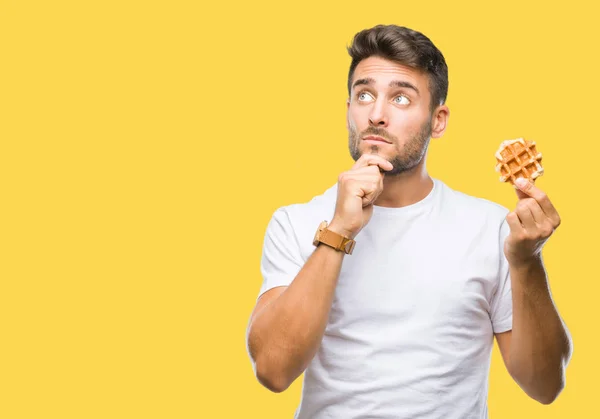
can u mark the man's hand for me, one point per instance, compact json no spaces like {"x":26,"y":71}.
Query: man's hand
{"x":531,"y":224}
{"x":358,"y":188}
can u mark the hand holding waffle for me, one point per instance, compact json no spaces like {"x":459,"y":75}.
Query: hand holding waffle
{"x":535,"y":218}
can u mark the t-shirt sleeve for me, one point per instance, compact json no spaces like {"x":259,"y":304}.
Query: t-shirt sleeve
{"x":281,"y":258}
{"x":501,"y":307}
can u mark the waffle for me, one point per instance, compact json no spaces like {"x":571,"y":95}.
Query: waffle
{"x":518,"y":158}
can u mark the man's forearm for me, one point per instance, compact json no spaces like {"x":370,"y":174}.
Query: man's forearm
{"x":286,"y":334}
{"x":540,"y":345}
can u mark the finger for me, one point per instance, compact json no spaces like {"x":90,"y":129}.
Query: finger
{"x":359,"y":178}
{"x":371,"y":191}
{"x":370,"y":182}
{"x":372,"y":159}
{"x":514,"y":223}
{"x":521,"y":194}
{"x":371,"y":170}
{"x":526,"y":217}
{"x":529,"y":189}
{"x":356,"y":179}
{"x":536,"y":211}
{"x":367,"y":186}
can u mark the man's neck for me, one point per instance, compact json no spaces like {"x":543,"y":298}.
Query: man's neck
{"x":405,"y":188}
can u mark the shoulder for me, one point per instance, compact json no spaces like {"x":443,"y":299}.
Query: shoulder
{"x":297,"y":223}
{"x":309,"y":214}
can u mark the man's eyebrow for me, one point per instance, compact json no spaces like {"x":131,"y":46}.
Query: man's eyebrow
{"x":394,"y":83}
{"x":366,"y":81}
{"x":398,"y":83}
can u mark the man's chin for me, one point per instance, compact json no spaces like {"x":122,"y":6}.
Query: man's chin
{"x":377,"y":151}
{"x":370,"y":149}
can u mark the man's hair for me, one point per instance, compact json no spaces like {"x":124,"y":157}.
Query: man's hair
{"x":404,"y":46}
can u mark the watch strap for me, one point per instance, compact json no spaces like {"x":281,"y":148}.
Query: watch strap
{"x":337,"y":241}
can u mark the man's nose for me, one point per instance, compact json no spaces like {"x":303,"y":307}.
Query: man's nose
{"x":378,"y":116}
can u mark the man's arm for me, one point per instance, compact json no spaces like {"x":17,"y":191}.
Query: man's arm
{"x":284,"y":334}
{"x":539,"y":347}
{"x":537,"y":350}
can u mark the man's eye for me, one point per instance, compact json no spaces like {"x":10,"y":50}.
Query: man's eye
{"x":364,"y":96}
{"x":403,"y":100}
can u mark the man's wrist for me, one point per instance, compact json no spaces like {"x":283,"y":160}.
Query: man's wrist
{"x":526,"y":264}
{"x":337,"y":228}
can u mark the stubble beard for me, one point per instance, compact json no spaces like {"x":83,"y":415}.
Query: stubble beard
{"x":409,"y":157}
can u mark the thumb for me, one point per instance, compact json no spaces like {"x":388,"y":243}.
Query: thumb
{"x":521,"y":185}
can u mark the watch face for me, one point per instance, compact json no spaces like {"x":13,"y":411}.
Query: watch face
{"x":322,"y":226}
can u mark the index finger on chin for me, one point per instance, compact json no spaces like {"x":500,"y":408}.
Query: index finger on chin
{"x":372,"y":160}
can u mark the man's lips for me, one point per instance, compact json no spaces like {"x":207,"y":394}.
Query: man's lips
{"x":376,"y":138}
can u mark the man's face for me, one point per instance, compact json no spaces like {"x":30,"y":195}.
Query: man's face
{"x":390,"y":101}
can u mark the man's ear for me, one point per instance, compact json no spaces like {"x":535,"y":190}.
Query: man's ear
{"x":348,"y":114}
{"x":439,"y":121}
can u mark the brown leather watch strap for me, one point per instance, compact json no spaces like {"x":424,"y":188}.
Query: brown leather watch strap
{"x":335,"y":240}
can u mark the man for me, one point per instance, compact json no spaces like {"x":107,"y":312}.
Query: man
{"x":391,"y":312}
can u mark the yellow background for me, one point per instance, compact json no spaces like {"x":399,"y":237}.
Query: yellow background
{"x":146,"y":144}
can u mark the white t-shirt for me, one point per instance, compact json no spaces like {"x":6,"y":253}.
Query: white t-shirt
{"x":413,"y":318}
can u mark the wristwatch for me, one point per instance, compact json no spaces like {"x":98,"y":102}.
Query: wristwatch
{"x":333,"y":239}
